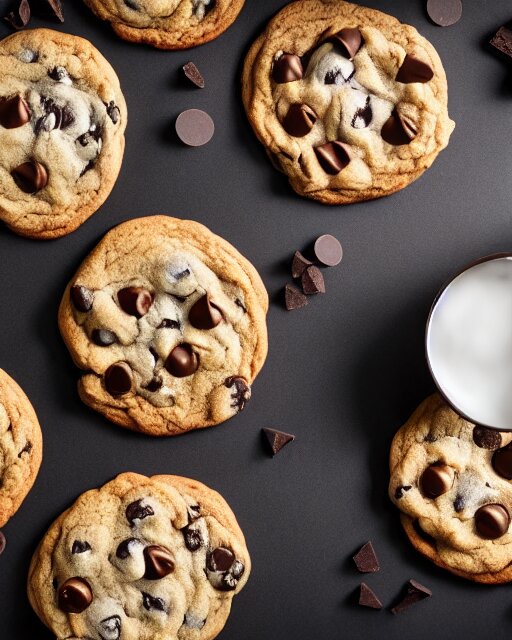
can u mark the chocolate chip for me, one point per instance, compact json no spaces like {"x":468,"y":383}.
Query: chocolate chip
{"x":194,"y":127}
{"x":153,"y":385}
{"x":123,"y":549}
{"x":75,"y":595}
{"x":294,"y":299}
{"x":193,"y":74}
{"x":349,"y":41}
{"x":159,"y":562}
{"x":204,"y":314}
{"x":502,"y":41}
{"x":136,"y":301}
{"x":436,"y":480}
{"x":153,"y":603}
{"x":366,"y":559}
{"x":60,"y":74}
{"x":398,"y":129}
{"x":169,"y":324}
{"x":241,"y":393}
{"x":80,"y":547}
{"x":328,"y":250}
{"x":193,"y":538}
{"x":414,"y":70}
{"x":110,"y":628}
{"x":103,"y":337}
{"x":21,"y":17}
{"x":183,"y":361}
{"x":444,"y":12}
{"x":333,"y":156}
{"x":113,"y":112}
{"x":131,"y":4}
{"x":220,"y":559}
{"x":55,"y":116}
{"x":367,"y":597}
{"x":81,"y":297}
{"x":26,"y":449}
{"x":118,"y":379}
{"x":14,"y":112}
{"x":459,"y":503}
{"x":240,"y":304}
{"x":502,"y":462}
{"x":193,"y":511}
{"x":299,"y":120}
{"x":277,"y":439}
{"x":399,"y":491}
{"x":138,"y":511}
{"x":415,"y":592}
{"x":363,"y":116}
{"x":486,"y":438}
{"x":312,"y":281}
{"x":3,"y":543}
{"x":299,"y":264}
{"x":492,"y":521}
{"x":30,"y":176}
{"x":287,"y":68}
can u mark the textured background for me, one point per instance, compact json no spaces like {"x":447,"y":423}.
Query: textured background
{"x":342,"y":374}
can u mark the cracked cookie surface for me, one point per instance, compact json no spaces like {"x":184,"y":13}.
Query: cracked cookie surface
{"x":350,"y":103}
{"x":62,"y":123}
{"x":168,"y":24}
{"x":141,"y":558}
{"x":168,"y":321}
{"x":452,"y":482}
{"x":21,"y":447}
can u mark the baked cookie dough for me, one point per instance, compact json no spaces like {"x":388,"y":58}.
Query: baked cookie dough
{"x":350,"y":103}
{"x":141,"y":558}
{"x":168,"y":322}
{"x":62,"y":122}
{"x":21,"y":447}
{"x":168,"y":24}
{"x":451,"y":481}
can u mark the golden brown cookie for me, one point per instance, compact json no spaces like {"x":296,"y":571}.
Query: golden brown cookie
{"x":350,"y":103}
{"x":62,"y":122}
{"x":168,"y":322}
{"x":140,"y":558}
{"x":168,"y":24}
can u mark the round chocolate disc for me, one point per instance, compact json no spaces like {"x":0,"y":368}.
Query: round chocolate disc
{"x":328,"y":250}
{"x":194,"y":127}
{"x":444,"y":12}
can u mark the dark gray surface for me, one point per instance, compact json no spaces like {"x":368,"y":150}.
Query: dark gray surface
{"x":342,"y":374}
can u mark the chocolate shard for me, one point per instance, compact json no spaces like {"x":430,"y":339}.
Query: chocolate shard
{"x":299,"y":120}
{"x":193,"y":74}
{"x":333,"y":156}
{"x":56,"y":8}
{"x":367,"y":597}
{"x":486,"y":438}
{"x":3,"y":543}
{"x":348,"y":40}
{"x":277,"y":439}
{"x":502,"y":41}
{"x":414,"y":70}
{"x":312,"y":281}
{"x":415,"y":592}
{"x":299,"y":264}
{"x":294,"y":299}
{"x":287,"y":68}
{"x":30,"y":176}
{"x":14,"y":112}
{"x":398,"y":130}
{"x":21,"y":17}
{"x":366,"y":559}
{"x":48,"y":9}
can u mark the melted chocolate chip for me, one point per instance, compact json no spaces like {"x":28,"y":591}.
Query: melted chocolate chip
{"x":492,"y":521}
{"x":398,"y":130}
{"x":486,"y":438}
{"x":26,"y":449}
{"x":14,"y":112}
{"x":502,"y":462}
{"x":459,"y":504}
{"x":299,"y":120}
{"x":436,"y":480}
{"x":82,"y":298}
{"x":138,"y":511}
{"x":193,"y":538}
{"x":60,"y":74}
{"x":183,"y":361}
{"x":363,"y":116}
{"x":113,"y":112}
{"x":136,"y":301}
{"x":118,"y":379}
{"x":287,"y":68}
{"x":193,"y":511}
{"x":335,"y":76}
{"x":103,"y":337}
{"x":111,"y":628}
{"x":333,"y":156}
{"x":220,"y":559}
{"x":349,"y":41}
{"x":30,"y":176}
{"x":167,"y":323}
{"x":80,"y":546}
{"x":153,"y":385}
{"x":414,"y":70}
{"x":55,"y":116}
{"x":75,"y":595}
{"x":204,"y":314}
{"x":152,"y":603}
{"x":159,"y":562}
{"x":123,"y":549}
{"x":399,"y":491}
{"x":241,"y":393}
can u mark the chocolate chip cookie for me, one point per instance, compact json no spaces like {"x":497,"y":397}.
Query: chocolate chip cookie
{"x":168,"y":24}
{"x":62,"y":122}
{"x":156,"y":558}
{"x":350,"y":103}
{"x":168,"y":322}
{"x":451,"y":481}
{"x":21,"y":447}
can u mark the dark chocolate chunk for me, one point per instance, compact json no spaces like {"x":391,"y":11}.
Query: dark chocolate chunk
{"x":436,"y":480}
{"x":113,"y":112}
{"x":240,"y":304}
{"x":81,"y":297}
{"x":367,"y":597}
{"x":153,"y":603}
{"x":138,"y":511}
{"x":26,"y":449}
{"x":56,"y":9}
{"x":287,"y":68}
{"x":502,"y":41}
{"x":159,"y":562}
{"x":21,"y":17}
{"x":335,"y":76}
{"x":333,"y":156}
{"x":136,"y":301}
{"x":80,"y":546}
{"x":502,"y":462}
{"x":399,"y":491}
{"x":444,"y":13}
{"x":398,"y":129}
{"x":193,"y":511}
{"x":241,"y":393}
{"x":103,"y":337}
{"x":153,"y":385}
{"x":167,"y":323}
{"x":349,"y":41}
{"x":193,"y":538}
{"x":366,"y":559}
{"x":30,"y":176}
{"x":56,"y":117}
{"x":111,"y":628}
{"x":277,"y":439}
{"x":118,"y":379}
{"x":75,"y":595}
{"x":14,"y":112}
{"x":3,"y":543}
{"x":363,"y":116}
{"x":299,"y":264}
{"x":299,"y":120}
{"x":487,"y":438}
{"x":328,"y":250}
{"x":123,"y":549}
{"x":220,"y":559}
{"x":183,"y":361}
{"x":204,"y":314}
{"x":492,"y":521}
{"x":294,"y":299}
{"x":415,"y":592}
{"x":192,"y":73}
{"x":459,"y":503}
{"x":194,"y":127}
{"x":414,"y":70}
{"x":312,"y":281}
